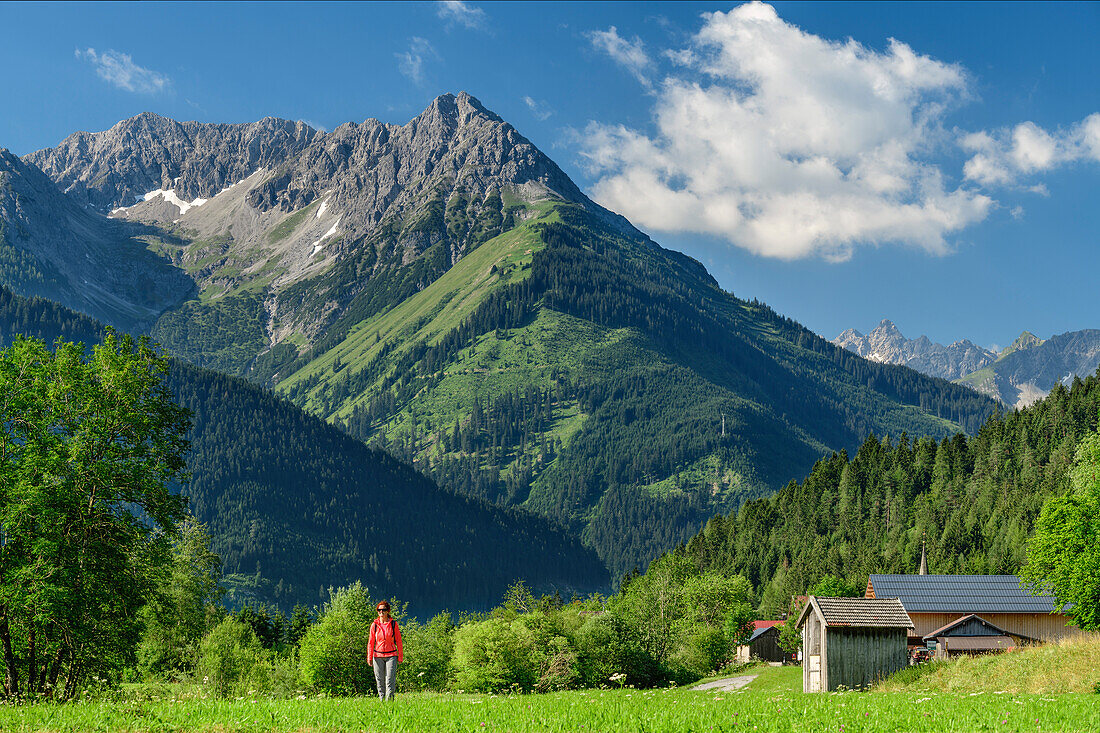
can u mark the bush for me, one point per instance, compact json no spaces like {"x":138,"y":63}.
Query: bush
{"x":333,"y":652}
{"x":428,"y":651}
{"x":709,"y":649}
{"x":607,"y":644}
{"x":494,"y":656}
{"x":233,"y":662}
{"x":552,"y":653}
{"x":558,"y":668}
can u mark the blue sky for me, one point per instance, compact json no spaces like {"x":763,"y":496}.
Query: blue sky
{"x":936,"y":164}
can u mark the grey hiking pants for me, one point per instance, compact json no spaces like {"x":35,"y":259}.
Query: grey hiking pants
{"x":385,"y":676}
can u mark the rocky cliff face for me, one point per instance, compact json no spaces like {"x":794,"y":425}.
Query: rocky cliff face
{"x":275,"y":204}
{"x":53,"y":247}
{"x":887,"y":344}
{"x":117,"y":167}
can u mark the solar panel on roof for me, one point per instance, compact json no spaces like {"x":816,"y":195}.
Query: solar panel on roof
{"x":959,"y":593}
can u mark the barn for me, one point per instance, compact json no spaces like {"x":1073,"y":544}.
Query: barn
{"x":852,"y":642}
{"x":935,"y":601}
{"x":763,"y":644}
{"x":971,"y":635}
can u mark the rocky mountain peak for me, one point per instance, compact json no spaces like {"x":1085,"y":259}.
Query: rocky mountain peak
{"x":148,"y":152}
{"x":887,"y":344}
{"x":1026,"y":340}
{"x":51,"y":246}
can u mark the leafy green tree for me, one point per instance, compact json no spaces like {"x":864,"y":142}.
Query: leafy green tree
{"x":833,"y":587}
{"x":89,"y":448}
{"x":494,"y":656}
{"x":333,"y":652}
{"x":428,"y":650}
{"x":177,"y":615}
{"x":609,"y":645}
{"x":790,"y":638}
{"x":1063,"y":556}
{"x":232,"y":661}
{"x":738,"y":624}
{"x":654,"y":603}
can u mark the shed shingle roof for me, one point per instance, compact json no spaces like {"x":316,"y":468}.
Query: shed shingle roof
{"x":866,"y":612}
{"x":960,"y":594}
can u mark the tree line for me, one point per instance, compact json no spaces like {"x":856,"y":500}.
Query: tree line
{"x":972,"y":502}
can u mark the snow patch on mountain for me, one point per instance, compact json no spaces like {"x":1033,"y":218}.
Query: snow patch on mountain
{"x":171,"y":197}
{"x":317,"y":245}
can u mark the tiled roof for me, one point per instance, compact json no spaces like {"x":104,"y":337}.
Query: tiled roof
{"x":960,"y":594}
{"x":766,"y":624}
{"x":866,"y":612}
{"x":758,"y":633}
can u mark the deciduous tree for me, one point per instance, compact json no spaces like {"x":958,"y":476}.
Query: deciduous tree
{"x":1063,"y":556}
{"x":89,"y":448}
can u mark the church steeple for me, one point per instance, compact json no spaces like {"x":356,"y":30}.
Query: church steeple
{"x":923,"y":560}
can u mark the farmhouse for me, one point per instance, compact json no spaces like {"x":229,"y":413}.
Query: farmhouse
{"x":935,"y":602}
{"x":851,"y":642}
{"x":763,"y":644}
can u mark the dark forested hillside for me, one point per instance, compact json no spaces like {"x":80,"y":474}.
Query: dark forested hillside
{"x":295,"y":506}
{"x":973,"y":499}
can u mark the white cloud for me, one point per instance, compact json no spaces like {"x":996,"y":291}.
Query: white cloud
{"x":411,"y":62}
{"x":119,"y":69}
{"x":541,"y":110}
{"x":457,"y":12}
{"x":629,"y":54}
{"x":1002,"y":157}
{"x":790,"y":145}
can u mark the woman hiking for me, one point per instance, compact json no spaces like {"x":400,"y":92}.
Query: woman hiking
{"x":385,"y":651}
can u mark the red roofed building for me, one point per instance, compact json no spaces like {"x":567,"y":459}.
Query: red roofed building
{"x":763,"y":644}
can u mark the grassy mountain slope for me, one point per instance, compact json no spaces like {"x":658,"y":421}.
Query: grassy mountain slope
{"x":295,"y":506}
{"x":586,"y":374}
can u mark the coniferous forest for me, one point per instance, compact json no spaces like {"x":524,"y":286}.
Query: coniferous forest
{"x":972,"y":500}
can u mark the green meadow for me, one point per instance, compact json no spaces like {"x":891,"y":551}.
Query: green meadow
{"x":773,"y":701}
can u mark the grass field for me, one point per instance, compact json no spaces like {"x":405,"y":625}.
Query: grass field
{"x":1068,"y":666}
{"x":772,"y":702}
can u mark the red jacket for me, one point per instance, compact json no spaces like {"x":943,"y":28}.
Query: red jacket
{"x":385,"y":641}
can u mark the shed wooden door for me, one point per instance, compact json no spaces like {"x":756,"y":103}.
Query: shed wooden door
{"x":814,"y":660}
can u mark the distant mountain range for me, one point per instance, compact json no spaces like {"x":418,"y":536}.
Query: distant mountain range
{"x":443,"y":291}
{"x":1017,"y":376}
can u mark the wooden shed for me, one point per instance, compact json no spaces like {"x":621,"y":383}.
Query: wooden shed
{"x":852,"y":642}
{"x":972,"y":635}
{"x":763,"y":644}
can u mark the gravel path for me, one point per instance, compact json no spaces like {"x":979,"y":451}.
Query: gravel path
{"x":730,"y":683}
